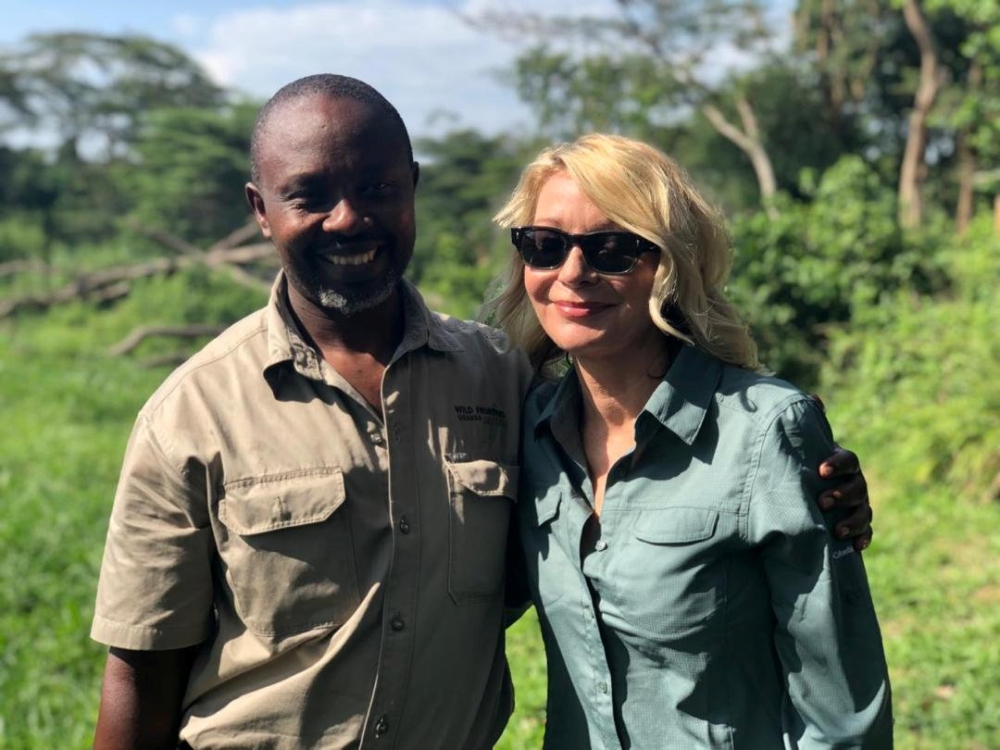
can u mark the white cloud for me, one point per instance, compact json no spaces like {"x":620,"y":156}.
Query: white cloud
{"x":424,"y":58}
{"x":420,"y":54}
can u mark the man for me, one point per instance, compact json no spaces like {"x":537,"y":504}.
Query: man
{"x":307,"y":543}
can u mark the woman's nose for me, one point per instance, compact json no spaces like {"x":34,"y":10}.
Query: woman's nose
{"x":574,"y":269}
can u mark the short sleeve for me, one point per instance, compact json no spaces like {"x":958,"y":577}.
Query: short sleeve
{"x":155,"y":586}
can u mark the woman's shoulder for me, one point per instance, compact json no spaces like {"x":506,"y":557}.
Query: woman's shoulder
{"x":760,"y":397}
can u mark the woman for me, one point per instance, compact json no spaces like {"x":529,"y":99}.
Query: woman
{"x":689,"y":591}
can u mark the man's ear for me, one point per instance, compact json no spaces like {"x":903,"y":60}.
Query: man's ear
{"x":415,"y":170}
{"x":256,"y":201}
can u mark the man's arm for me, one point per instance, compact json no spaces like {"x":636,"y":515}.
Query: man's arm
{"x":141,"y":698}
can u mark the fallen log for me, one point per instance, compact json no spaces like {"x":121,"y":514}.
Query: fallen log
{"x":90,"y":285}
{"x":131,"y":342}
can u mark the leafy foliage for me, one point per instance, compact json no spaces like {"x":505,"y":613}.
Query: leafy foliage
{"x":897,"y":329}
{"x":463,"y":180}
{"x":918,"y":372}
{"x":191,"y":167}
{"x":810,"y":269}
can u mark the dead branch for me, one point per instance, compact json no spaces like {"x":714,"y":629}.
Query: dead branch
{"x":131,"y":342}
{"x":14,"y":267}
{"x":171,"y":242}
{"x":89,"y":286}
{"x":171,"y":360}
{"x":237,"y":237}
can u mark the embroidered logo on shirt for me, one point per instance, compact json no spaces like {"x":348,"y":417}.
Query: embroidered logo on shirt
{"x":491,"y":415}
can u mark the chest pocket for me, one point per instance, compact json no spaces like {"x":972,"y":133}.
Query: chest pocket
{"x":671,"y":582}
{"x":287,"y":552}
{"x":481,"y":494}
{"x":551,"y":573}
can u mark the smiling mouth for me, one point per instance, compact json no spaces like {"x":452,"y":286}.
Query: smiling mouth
{"x":358,"y":259}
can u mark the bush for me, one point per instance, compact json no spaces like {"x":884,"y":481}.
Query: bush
{"x":915,"y":377}
{"x":812,"y":268}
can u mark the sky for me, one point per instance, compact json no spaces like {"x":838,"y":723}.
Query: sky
{"x":439,"y":72}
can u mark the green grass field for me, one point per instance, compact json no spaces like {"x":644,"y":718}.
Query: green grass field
{"x":67,"y":409}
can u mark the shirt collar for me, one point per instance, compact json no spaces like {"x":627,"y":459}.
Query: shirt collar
{"x":680,"y":402}
{"x":286,"y":344}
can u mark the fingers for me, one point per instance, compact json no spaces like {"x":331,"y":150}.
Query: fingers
{"x":861,"y":542}
{"x":851,"y":492}
{"x":842,"y":463}
{"x":857,"y":524}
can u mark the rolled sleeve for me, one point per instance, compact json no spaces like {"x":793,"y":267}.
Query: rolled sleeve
{"x":155,"y":586}
{"x":826,"y":635}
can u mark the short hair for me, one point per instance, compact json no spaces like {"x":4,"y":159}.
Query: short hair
{"x":642,"y":190}
{"x":329,"y":85}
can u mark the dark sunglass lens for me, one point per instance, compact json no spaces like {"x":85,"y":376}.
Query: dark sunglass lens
{"x":612,"y":252}
{"x":543,"y":249}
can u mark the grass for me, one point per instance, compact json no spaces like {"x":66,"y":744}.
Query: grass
{"x":67,"y":410}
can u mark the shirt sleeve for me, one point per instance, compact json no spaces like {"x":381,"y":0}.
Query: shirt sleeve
{"x":826,"y":633}
{"x":155,"y":586}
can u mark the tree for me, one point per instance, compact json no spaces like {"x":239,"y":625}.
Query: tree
{"x":189,"y":168}
{"x":971,"y":107}
{"x":669,"y":42}
{"x":464,"y":178}
{"x":932,"y":79}
{"x":919,"y":78}
{"x":97,"y":87}
{"x":801,"y":276}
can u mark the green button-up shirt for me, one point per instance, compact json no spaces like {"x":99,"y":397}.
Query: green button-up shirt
{"x":710,"y":607}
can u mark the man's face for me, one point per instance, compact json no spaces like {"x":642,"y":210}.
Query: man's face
{"x":335,"y":196}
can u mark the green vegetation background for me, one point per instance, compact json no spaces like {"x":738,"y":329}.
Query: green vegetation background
{"x":890,"y":316}
{"x":911,"y":391}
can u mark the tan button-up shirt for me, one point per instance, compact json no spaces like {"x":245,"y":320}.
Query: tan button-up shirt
{"x":342,"y":569}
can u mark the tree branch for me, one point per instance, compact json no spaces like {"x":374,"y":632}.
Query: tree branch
{"x":131,"y":342}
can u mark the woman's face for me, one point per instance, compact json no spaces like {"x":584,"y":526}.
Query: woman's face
{"x":588,"y":315}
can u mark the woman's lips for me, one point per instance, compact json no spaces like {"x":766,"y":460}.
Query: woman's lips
{"x":580,"y":309}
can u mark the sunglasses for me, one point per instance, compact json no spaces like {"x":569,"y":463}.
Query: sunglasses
{"x":609,"y":253}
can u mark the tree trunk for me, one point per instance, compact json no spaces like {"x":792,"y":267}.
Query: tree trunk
{"x":967,"y":165}
{"x":749,"y":142}
{"x":968,"y":161}
{"x":910,"y":199}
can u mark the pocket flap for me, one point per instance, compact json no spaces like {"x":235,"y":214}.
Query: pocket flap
{"x":676,"y":525}
{"x":281,"y":501}
{"x":545,"y":506}
{"x":486,"y":478}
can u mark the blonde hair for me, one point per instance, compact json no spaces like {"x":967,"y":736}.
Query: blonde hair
{"x":645,"y":192}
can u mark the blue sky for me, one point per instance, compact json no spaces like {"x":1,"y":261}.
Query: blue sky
{"x":438,"y":71}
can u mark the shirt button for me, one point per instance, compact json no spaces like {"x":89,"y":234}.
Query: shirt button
{"x":377,"y":438}
{"x":382,"y":726}
{"x":397,"y":623}
{"x":602,"y":686}
{"x":601,"y":545}
{"x":404,"y":525}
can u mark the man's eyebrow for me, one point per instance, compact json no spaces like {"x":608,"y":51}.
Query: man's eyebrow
{"x":300,"y":182}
